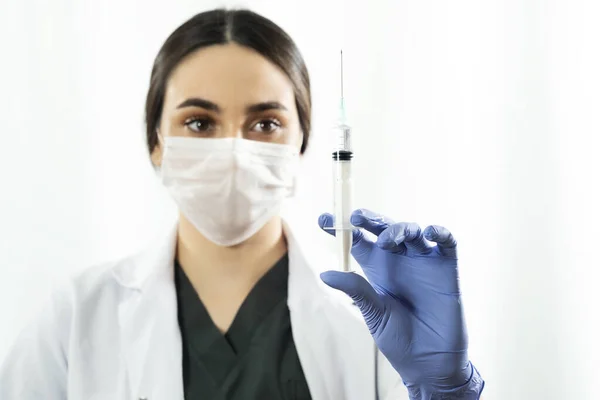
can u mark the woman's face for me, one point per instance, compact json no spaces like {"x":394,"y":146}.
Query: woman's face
{"x":229,"y":91}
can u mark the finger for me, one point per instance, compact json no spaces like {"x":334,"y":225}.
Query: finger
{"x":361,"y":245}
{"x":370,"y":221}
{"x":326,"y":222}
{"x":446,"y":244}
{"x":361,"y":292}
{"x":402,"y":236}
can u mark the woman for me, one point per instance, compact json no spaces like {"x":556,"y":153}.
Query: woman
{"x":226,"y":306}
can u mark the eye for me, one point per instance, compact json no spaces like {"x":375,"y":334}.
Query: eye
{"x":266,"y":126}
{"x":200,"y":125}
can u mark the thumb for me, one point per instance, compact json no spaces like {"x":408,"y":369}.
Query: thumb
{"x":361,"y":291}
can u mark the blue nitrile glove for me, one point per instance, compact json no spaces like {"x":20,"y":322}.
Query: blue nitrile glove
{"x":411,"y":304}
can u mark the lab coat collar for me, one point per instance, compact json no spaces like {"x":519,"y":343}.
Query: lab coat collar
{"x":156,"y":261}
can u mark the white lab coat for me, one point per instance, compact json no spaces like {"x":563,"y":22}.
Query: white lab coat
{"x":112,"y":333}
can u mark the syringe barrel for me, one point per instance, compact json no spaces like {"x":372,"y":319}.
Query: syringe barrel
{"x":343,"y":138}
{"x":342,"y":196}
{"x":342,"y":207}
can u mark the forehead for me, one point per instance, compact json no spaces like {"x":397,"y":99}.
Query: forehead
{"x":229,"y":75}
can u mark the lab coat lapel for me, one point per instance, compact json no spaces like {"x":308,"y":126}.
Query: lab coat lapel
{"x":151,"y":340}
{"x":312,"y":338}
{"x":334,"y":346}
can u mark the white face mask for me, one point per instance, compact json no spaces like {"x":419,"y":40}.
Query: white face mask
{"x":228,"y":188}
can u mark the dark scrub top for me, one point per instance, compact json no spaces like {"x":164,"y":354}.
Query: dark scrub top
{"x":255,"y":359}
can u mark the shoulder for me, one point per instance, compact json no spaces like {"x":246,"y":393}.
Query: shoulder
{"x":76,"y":298}
{"x":81,"y":301}
{"x":96,"y":290}
{"x":130,"y":272}
{"x":38,"y":361}
{"x":94,"y":283}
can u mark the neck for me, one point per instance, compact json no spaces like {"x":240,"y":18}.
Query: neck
{"x":240,"y":265}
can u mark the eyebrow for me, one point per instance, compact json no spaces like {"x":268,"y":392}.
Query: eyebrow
{"x":266,"y":106}
{"x":200,"y":103}
{"x":210,"y":106}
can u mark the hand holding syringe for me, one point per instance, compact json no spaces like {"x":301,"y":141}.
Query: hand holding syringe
{"x":404,"y":265}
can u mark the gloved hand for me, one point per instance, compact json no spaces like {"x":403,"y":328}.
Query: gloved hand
{"x":411,"y":303}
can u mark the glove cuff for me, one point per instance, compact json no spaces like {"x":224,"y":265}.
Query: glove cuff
{"x":469,"y":391}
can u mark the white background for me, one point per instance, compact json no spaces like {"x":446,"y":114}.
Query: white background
{"x":479,"y":115}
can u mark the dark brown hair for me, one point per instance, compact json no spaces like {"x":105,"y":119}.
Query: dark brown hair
{"x":222,"y":26}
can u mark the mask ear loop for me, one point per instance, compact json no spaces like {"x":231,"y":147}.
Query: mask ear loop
{"x":161,"y":139}
{"x":293,"y":190}
{"x":295,"y":178}
{"x":297,"y":169}
{"x":161,"y":142}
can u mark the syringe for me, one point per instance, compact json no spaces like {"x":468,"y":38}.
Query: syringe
{"x":342,"y":182}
